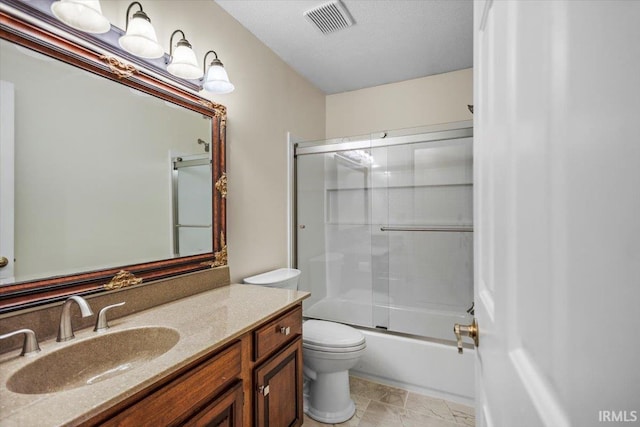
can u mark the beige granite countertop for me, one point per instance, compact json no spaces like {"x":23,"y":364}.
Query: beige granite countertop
{"x":204,"y":321}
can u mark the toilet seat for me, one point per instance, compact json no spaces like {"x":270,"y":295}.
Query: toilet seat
{"x":309,"y":346}
{"x":331,"y":337}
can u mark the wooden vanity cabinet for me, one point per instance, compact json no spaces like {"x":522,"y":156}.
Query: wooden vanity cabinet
{"x":277,"y":378}
{"x":278,"y":381}
{"x":254,"y":381}
{"x":274,"y":334}
{"x":192,"y":393}
{"x":225,"y":411}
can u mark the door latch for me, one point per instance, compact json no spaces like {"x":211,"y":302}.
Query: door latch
{"x":263,"y":390}
{"x":470,"y":331}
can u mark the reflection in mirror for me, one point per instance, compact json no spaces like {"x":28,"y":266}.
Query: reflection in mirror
{"x":191,"y":204}
{"x":95,"y":170}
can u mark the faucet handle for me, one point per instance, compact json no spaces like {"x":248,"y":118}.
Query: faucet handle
{"x":30,"y":345}
{"x":101,"y":322}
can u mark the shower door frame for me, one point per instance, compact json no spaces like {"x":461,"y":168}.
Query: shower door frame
{"x":433,"y":133}
{"x":440,"y":132}
{"x":454,"y":130}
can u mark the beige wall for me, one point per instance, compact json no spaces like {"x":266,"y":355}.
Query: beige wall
{"x":419,"y":102}
{"x":270,"y":99}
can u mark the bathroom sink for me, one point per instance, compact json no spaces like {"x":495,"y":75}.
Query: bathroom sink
{"x":93,"y":360}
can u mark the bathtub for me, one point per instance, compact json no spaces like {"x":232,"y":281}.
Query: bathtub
{"x":418,"y":365}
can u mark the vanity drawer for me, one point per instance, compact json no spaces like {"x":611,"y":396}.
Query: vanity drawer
{"x":277,"y":332}
{"x":173,"y":403}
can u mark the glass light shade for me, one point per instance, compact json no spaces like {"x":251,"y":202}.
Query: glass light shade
{"x":83,"y":15}
{"x":184,"y":63}
{"x":217,"y":80}
{"x":140,"y":39}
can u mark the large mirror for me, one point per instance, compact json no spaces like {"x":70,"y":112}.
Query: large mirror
{"x":111,"y":168}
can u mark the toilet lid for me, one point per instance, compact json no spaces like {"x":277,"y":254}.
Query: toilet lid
{"x":330,"y":334}
{"x":333,"y":350}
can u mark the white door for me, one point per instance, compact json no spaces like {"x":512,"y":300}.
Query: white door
{"x":6,"y":181}
{"x":557,"y":212}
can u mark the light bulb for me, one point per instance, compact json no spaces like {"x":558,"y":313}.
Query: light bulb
{"x":184,"y":63}
{"x":83,"y":15}
{"x":217,"y":80}
{"x":140,"y":39}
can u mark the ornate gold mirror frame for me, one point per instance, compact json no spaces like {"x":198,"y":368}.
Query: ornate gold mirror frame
{"x":32,"y":293}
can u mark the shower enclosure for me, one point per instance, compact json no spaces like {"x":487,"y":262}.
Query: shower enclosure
{"x":191,"y":201}
{"x":384,"y":229}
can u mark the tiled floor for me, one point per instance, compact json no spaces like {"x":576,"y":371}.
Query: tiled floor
{"x":379,"y":405}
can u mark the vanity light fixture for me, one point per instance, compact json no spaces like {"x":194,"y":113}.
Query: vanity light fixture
{"x":183,"y":62}
{"x":83,"y":15}
{"x":216,"y":79}
{"x":140,"y":38}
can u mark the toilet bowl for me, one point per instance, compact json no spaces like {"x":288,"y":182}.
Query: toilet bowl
{"x":329,"y":350}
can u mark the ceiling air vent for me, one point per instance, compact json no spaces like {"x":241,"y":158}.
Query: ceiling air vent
{"x":329,"y":17}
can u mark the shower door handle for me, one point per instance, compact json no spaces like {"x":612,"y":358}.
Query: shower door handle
{"x":470,"y":331}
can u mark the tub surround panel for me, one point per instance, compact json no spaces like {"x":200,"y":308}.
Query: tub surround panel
{"x":206,"y":322}
{"x":44,"y":320}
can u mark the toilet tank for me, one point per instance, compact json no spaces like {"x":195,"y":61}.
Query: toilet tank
{"x":285,"y":278}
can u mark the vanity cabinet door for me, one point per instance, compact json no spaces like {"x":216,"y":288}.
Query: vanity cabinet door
{"x":225,"y":411}
{"x":278,"y":388}
{"x":180,"y":399}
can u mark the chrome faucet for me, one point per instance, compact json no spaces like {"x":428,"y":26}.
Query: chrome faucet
{"x":65,"y":331}
{"x":30,"y":344}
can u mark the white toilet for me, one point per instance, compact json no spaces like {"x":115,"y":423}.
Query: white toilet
{"x":329,"y":351}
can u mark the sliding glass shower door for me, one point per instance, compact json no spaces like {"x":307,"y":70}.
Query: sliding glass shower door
{"x":385,"y":231}
{"x":423,"y":231}
{"x":334,"y":236}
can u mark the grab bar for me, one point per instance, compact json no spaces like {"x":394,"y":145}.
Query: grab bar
{"x":449,"y":228}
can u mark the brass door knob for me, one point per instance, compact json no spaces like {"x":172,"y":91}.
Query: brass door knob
{"x":3,"y":262}
{"x":466,"y":330}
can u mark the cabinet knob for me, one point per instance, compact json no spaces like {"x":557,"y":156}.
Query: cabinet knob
{"x":263,"y":390}
{"x":285,"y":330}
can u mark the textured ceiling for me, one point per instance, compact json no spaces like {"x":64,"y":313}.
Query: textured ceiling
{"x":391,"y":41}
